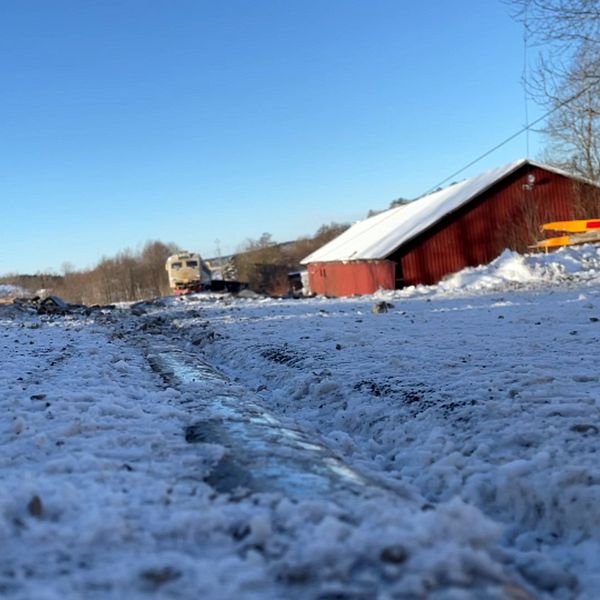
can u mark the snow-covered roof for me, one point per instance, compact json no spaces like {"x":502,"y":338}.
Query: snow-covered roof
{"x":378,"y":236}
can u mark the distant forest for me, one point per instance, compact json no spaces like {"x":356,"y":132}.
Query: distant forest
{"x":138,"y":275}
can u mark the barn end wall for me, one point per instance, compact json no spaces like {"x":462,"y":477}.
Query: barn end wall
{"x":351,"y":278}
{"x":508,"y":215}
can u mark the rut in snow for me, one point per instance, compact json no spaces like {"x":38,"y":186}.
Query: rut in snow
{"x":263,"y":453}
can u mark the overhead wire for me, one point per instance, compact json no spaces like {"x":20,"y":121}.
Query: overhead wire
{"x":513,"y":136}
{"x":524,"y":75}
{"x":527,"y":127}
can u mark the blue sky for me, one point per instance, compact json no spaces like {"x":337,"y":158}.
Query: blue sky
{"x":190,"y":121}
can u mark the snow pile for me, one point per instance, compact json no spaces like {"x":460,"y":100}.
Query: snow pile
{"x":10,"y":291}
{"x":508,"y":269}
{"x":574,"y":265}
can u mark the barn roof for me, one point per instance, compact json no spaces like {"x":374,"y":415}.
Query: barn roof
{"x":378,"y":236}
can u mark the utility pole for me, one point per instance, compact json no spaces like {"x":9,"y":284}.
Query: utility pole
{"x":218,"y":243}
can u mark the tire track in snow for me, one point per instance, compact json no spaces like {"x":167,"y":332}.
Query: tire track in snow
{"x":265,"y":455}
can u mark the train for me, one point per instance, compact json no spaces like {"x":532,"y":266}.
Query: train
{"x":189,"y":274}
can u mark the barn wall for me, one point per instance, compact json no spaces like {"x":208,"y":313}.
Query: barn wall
{"x":350,"y":278}
{"x":508,"y":215}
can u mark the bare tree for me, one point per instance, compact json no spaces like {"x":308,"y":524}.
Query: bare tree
{"x":265,"y":264}
{"x":573,"y":130}
{"x":128,"y":276}
{"x":251,"y":254}
{"x":566,"y":77}
{"x":153,"y":277}
{"x":570,"y":22}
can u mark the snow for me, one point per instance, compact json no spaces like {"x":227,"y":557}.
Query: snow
{"x":567,"y":266}
{"x":9,"y":291}
{"x":470,"y":411}
{"x":378,"y":236}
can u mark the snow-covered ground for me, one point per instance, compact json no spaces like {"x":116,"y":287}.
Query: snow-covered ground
{"x":469,"y":412}
{"x":8,"y":292}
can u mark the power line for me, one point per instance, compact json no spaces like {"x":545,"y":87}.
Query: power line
{"x":513,"y":136}
{"x":524,"y":75}
{"x":387,"y":214}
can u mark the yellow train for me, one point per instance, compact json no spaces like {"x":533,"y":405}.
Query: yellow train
{"x":187,"y":273}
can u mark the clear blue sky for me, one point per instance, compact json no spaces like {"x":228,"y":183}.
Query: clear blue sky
{"x":190,"y":121}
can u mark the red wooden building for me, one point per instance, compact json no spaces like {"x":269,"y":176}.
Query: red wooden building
{"x":467,"y":224}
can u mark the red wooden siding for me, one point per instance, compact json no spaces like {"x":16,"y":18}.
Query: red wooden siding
{"x":508,"y":215}
{"x":347,"y":279}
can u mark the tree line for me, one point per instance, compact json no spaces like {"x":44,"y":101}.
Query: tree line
{"x":265,"y":265}
{"x":128,"y":276}
{"x":131,"y":275}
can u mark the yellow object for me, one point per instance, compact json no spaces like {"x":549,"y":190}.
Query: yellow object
{"x":554,"y":242}
{"x":578,"y":226}
{"x":584,"y":231}
{"x":587,"y":237}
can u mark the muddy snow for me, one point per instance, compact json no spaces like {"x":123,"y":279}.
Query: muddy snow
{"x":214,"y":447}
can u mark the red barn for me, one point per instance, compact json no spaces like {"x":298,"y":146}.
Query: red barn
{"x":464,"y":225}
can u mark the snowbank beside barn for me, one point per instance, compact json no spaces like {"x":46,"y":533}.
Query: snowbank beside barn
{"x":568,"y":266}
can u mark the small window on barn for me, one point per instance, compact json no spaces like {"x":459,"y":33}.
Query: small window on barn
{"x":192,"y":263}
{"x":176,"y":266}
